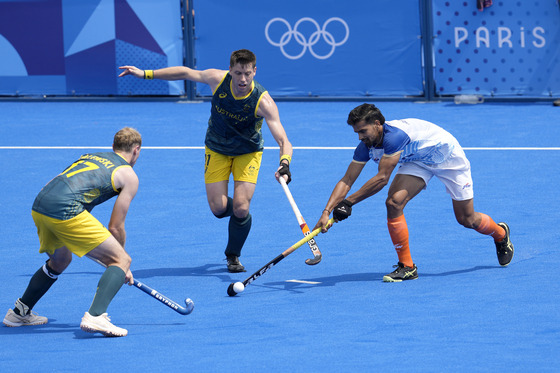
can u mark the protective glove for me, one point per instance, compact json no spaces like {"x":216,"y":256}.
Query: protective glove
{"x":285,"y":170}
{"x":343,"y":210}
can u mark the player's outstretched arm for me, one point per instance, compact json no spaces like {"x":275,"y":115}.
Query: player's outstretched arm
{"x":212,"y":77}
{"x":131,"y":70}
{"x":386,"y":166}
{"x":340,"y":191}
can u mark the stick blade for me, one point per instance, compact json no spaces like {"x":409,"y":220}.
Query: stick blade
{"x":230,"y":290}
{"x":189,"y":307}
{"x":314,"y":261}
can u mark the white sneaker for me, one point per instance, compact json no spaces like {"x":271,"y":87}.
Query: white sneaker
{"x":101,"y":324}
{"x":12,"y":319}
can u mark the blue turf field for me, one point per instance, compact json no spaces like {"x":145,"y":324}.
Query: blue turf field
{"x":465,"y":313}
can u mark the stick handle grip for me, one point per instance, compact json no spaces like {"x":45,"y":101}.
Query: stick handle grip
{"x":292,"y":201}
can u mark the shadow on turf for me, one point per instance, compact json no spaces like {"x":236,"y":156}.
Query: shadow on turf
{"x":51,"y":327}
{"x":457,"y":272}
{"x":360,"y":277}
{"x":219,"y":271}
{"x":215,"y":270}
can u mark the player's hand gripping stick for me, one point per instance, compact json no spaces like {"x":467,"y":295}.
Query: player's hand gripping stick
{"x":343,"y":210}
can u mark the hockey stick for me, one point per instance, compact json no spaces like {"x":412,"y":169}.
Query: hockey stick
{"x":317,"y":256}
{"x":163,"y":299}
{"x":157,"y":295}
{"x":276,"y":260}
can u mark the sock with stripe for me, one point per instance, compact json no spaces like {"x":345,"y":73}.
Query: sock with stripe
{"x":398,"y":230}
{"x":488,"y":227}
{"x":39,"y":284}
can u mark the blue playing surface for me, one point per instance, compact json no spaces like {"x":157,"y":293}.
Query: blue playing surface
{"x":464,"y":313}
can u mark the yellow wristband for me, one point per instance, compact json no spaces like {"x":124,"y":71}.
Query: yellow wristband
{"x":286,"y":157}
{"x":149,"y":74}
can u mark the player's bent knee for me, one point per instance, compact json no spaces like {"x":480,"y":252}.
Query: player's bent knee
{"x":60,"y":260}
{"x":125,"y":262}
{"x":241,"y":210}
{"x":58,"y":265}
{"x":467,"y":221}
{"x":394,"y":204}
{"x":219,"y":211}
{"x":241,"y":213}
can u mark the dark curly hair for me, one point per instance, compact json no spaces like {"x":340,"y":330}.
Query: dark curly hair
{"x":369,"y":113}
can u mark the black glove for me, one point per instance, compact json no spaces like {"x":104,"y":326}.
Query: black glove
{"x":285,"y":170}
{"x":342,"y":210}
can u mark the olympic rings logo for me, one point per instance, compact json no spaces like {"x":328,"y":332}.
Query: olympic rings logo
{"x":313,"y":38}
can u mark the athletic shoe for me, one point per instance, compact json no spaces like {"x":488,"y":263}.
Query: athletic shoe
{"x":504,"y":248}
{"x":12,"y":319}
{"x":402,"y":273}
{"x":101,"y":324}
{"x":234,"y":265}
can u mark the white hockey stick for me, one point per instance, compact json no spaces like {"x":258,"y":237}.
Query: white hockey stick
{"x":303,"y":225}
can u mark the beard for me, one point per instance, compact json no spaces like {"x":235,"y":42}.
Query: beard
{"x":368,"y":142}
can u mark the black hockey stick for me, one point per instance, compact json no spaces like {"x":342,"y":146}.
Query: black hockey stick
{"x":231,"y":292}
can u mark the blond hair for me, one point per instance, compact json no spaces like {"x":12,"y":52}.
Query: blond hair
{"x":126,"y":139}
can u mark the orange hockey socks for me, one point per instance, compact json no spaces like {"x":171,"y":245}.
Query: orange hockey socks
{"x":488,"y":227}
{"x":398,"y":230}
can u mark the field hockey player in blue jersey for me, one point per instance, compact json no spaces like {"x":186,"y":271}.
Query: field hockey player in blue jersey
{"x":423,"y":150}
